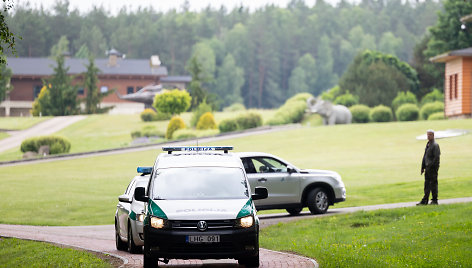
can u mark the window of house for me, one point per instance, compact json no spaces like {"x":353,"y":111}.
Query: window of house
{"x":451,"y":83}
{"x":36,"y":91}
{"x":80,"y":91}
{"x":455,"y":86}
{"x":103,"y":89}
{"x":130,"y":90}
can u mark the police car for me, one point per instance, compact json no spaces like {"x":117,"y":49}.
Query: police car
{"x":129,"y":215}
{"x":198,"y":205}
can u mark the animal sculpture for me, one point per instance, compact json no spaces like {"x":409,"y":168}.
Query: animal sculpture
{"x":331,"y":114}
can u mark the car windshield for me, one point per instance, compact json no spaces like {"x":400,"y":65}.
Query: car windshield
{"x":196,"y":183}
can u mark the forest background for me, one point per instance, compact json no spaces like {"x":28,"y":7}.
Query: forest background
{"x":259,"y":58}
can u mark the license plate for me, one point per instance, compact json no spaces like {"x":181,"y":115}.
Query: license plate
{"x":197,"y":239}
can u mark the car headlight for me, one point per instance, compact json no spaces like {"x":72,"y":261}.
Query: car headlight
{"x":140,"y":217}
{"x":246,"y":222}
{"x":158,"y":223}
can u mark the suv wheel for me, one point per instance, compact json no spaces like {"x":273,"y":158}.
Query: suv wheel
{"x":318,"y":202}
{"x":294,"y":211}
{"x":132,"y":248}
{"x":251,"y":261}
{"x":120,"y":245}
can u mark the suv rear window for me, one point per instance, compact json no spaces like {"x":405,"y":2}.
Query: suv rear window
{"x":199,"y":183}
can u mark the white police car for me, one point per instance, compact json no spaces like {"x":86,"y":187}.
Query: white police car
{"x":198,"y":205}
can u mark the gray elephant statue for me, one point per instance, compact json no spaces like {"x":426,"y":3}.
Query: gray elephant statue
{"x":332,"y":114}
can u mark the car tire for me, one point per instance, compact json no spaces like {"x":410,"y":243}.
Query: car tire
{"x":149,"y":262}
{"x":120,"y":245}
{"x":132,"y":248}
{"x":318,"y":201}
{"x":294,"y":211}
{"x":250,"y":261}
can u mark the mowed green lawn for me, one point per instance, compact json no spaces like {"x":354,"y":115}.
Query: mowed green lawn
{"x":379,"y":163}
{"x":427,"y":236}
{"x":20,"y":123}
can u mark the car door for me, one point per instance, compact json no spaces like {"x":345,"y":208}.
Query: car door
{"x":283,"y":187}
{"x":123,"y":210}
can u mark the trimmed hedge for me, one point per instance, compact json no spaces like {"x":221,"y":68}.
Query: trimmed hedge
{"x":432,"y":96}
{"x":202,"y":108}
{"x":407,"y":112}
{"x":192,"y":133}
{"x":360,"y":113}
{"x":206,"y":121}
{"x":347,"y":99}
{"x":147,"y":131}
{"x":381,"y":113}
{"x":57,"y":144}
{"x":431,"y":108}
{"x":437,"y":116}
{"x":175,"y":123}
{"x":249,"y":120}
{"x":235,"y":107}
{"x":402,"y":98}
{"x":228,"y":125}
{"x":292,"y":111}
{"x":149,"y":115}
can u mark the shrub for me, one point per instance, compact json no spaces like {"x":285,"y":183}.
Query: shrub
{"x":407,"y":112}
{"x":432,"y":96}
{"x":207,"y":121}
{"x":192,"y":133}
{"x":175,"y":123}
{"x":381,"y":113}
{"x":347,"y":99}
{"x":330,"y":95}
{"x":235,"y":107}
{"x":436,"y":116}
{"x":249,"y":120}
{"x":172,"y":102}
{"x":148,"y":115}
{"x":202,"y":108}
{"x":147,"y":131}
{"x":228,"y":125}
{"x":57,"y":145}
{"x":402,"y":98}
{"x":431,"y":108}
{"x":360,"y":113}
{"x":292,"y":111}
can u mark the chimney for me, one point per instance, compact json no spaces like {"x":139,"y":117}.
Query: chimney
{"x":113,"y":56}
{"x":155,"y":62}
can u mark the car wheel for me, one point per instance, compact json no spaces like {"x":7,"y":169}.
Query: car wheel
{"x":132,"y":248}
{"x":294,"y":211}
{"x":251,"y":261}
{"x":149,"y":262}
{"x":120,"y":245}
{"x":318,"y":201}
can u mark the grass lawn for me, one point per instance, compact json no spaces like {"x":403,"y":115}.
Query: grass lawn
{"x":3,"y":135}
{"x":428,"y":236}
{"x":98,"y":132}
{"x":22,"y":253}
{"x":379,"y":163}
{"x":20,"y":123}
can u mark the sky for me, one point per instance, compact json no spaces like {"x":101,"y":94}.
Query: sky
{"x":115,"y":5}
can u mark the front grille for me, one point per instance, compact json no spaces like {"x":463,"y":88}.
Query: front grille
{"x":212,"y":224}
{"x":202,"y":248}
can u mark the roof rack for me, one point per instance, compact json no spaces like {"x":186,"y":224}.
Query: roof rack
{"x":169,"y":150}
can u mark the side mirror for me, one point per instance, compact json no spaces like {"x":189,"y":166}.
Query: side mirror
{"x":125,"y":198}
{"x":260,"y":193}
{"x":140,"y":194}
{"x":291,"y":169}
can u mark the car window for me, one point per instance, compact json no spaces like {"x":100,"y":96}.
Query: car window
{"x":130,"y":187}
{"x":199,"y":183}
{"x":268,"y":165}
{"x":248,"y":165}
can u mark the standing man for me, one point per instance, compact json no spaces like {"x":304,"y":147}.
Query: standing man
{"x":430,"y":167}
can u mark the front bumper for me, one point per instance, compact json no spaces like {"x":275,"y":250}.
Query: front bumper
{"x":171,"y":244}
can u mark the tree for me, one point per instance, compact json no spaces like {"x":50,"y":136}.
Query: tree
{"x":173,"y":102}
{"x":6,"y":36}
{"x":60,"y":48}
{"x":94,"y":96}
{"x":303,"y":77}
{"x":389,"y":44}
{"x":202,"y":68}
{"x":83,"y":52}
{"x":229,"y":81}
{"x":326,"y":77}
{"x":62,"y":94}
{"x":5,"y":75}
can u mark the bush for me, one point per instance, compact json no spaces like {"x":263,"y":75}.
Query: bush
{"x":147,"y":131}
{"x":402,"y":98}
{"x":381,"y":113}
{"x":228,"y":125}
{"x":202,"y":108}
{"x":360,"y":113}
{"x":330,"y":95}
{"x":431,"y":108}
{"x":436,"y":116}
{"x":191,"y":133}
{"x":292,"y":111}
{"x":346,"y":99}
{"x":249,"y":120}
{"x":235,"y":107}
{"x":175,"y":123}
{"x":172,"y":102}
{"x":432,"y":96}
{"x":148,"y":115}
{"x":407,"y":112}
{"x":57,"y":145}
{"x":207,"y":121}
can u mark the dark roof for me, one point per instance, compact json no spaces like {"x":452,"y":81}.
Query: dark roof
{"x":45,"y":66}
{"x":176,"y":79}
{"x":466,"y":52}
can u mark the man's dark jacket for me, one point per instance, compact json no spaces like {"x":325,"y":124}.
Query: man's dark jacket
{"x":431,"y":156}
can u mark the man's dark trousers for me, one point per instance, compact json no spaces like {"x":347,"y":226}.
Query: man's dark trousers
{"x":430,"y":185}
